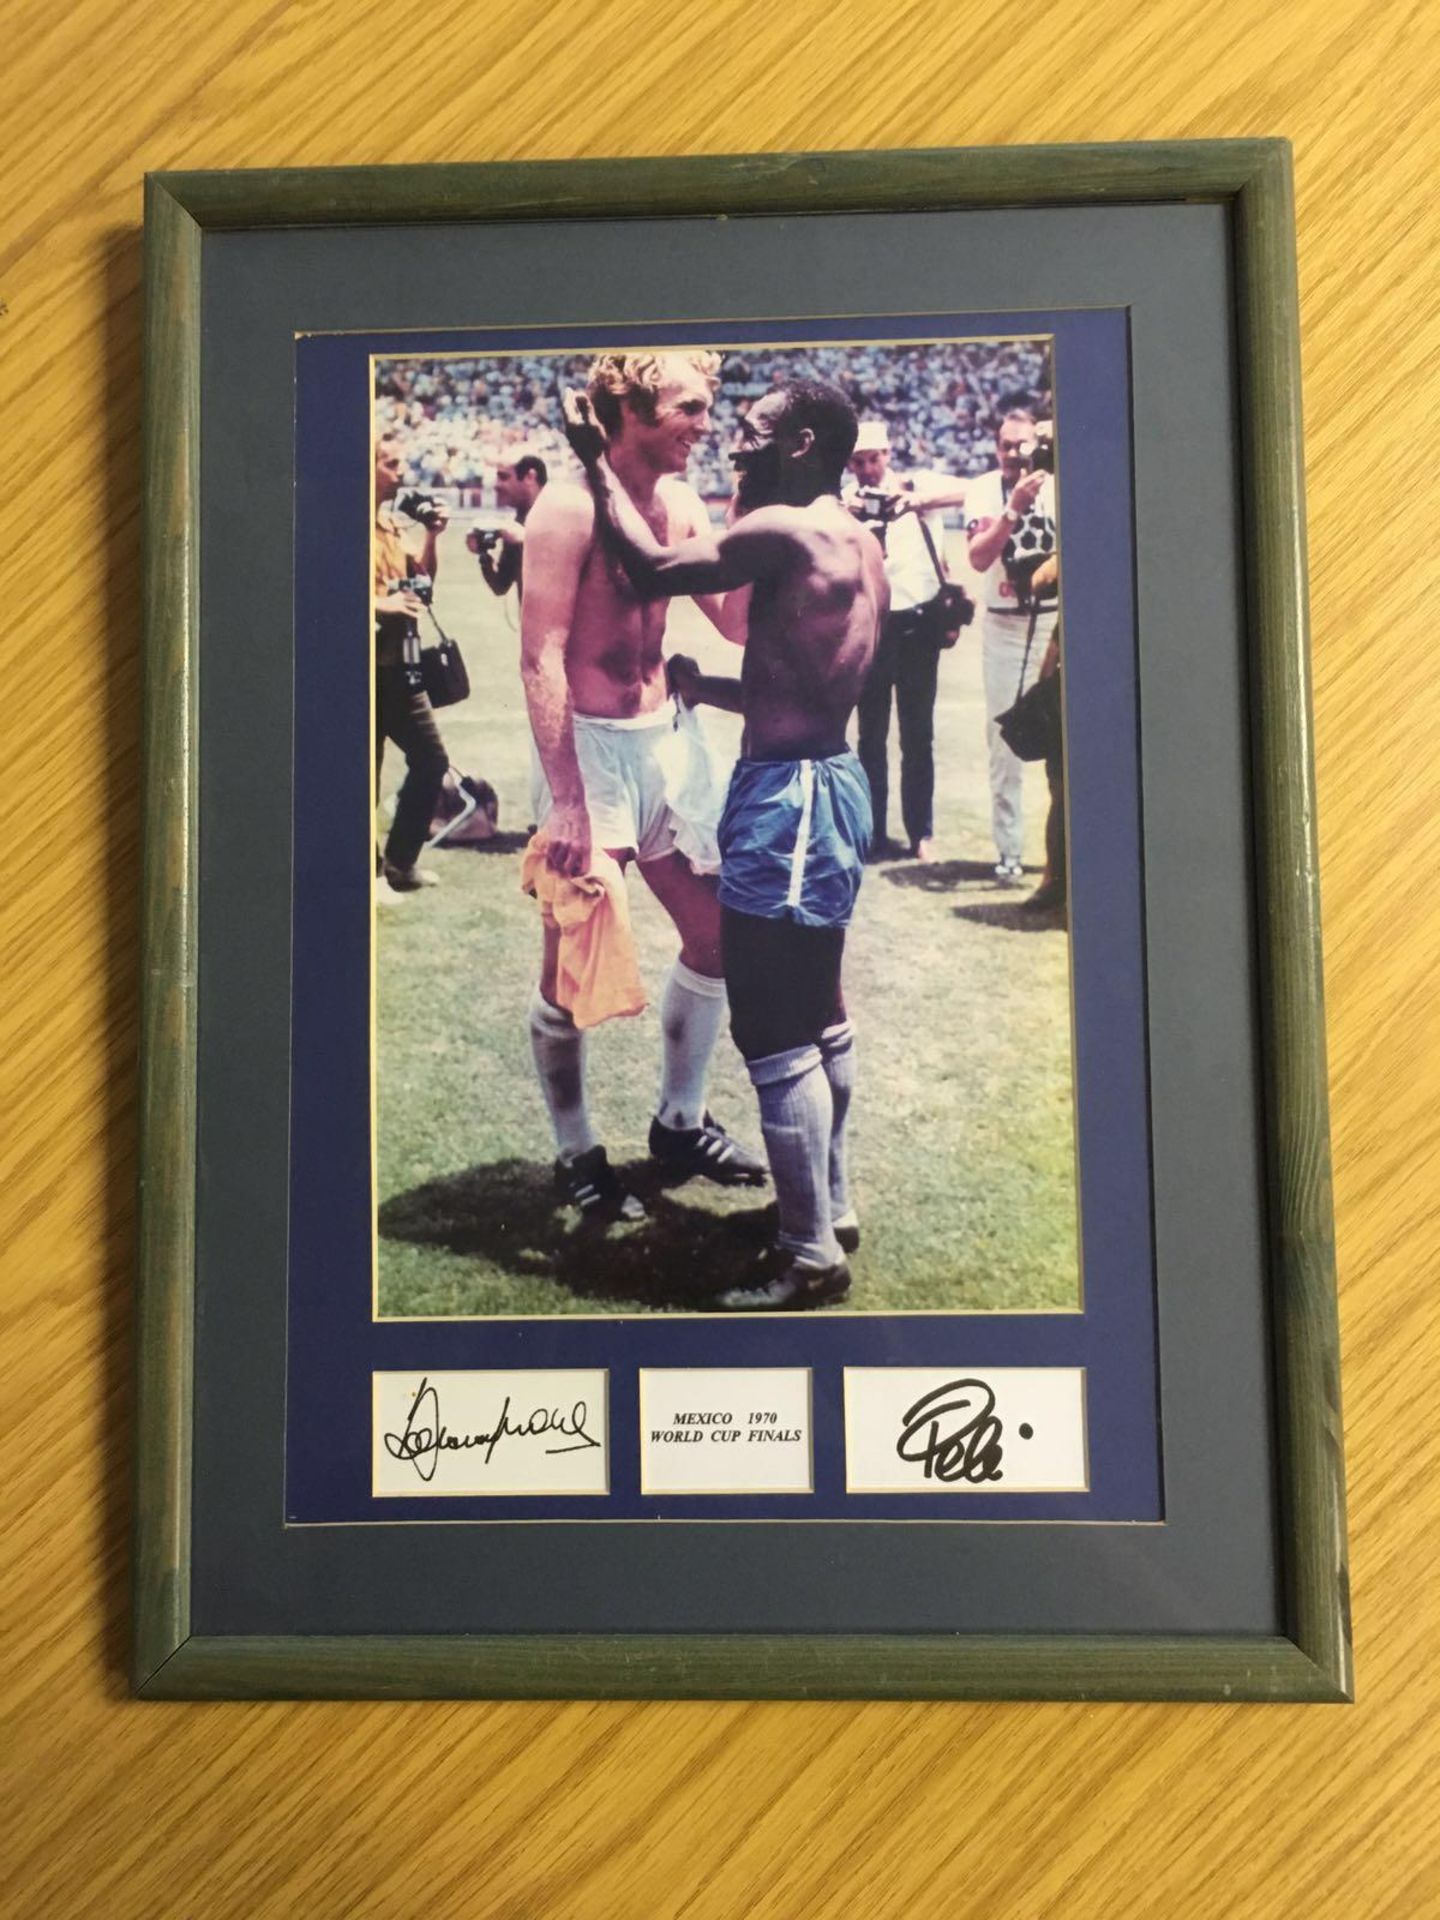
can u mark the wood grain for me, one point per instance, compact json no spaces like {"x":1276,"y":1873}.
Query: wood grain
{"x":602,"y":1809}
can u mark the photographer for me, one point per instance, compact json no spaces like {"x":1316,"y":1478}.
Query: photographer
{"x":501,"y":550}
{"x":905,"y":515}
{"x":1010,"y":524}
{"x":407,"y":532}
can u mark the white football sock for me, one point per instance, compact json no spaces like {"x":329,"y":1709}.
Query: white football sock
{"x":796,"y":1115}
{"x":837,"y":1051}
{"x":559,"y":1049}
{"x":692,"y":1012}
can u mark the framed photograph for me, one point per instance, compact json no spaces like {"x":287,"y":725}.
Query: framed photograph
{"x":733,"y":1085}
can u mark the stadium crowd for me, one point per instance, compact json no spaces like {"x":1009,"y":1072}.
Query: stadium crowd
{"x":942,"y":402}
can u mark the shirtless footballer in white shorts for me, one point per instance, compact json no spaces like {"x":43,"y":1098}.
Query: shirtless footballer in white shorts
{"x":594,"y":676}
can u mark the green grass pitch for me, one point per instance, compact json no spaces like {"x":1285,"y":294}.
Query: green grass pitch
{"x":962,"y":1128}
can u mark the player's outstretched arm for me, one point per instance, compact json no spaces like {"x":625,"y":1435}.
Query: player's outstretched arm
{"x":728,"y":613}
{"x":696,"y":689}
{"x":755,"y":548}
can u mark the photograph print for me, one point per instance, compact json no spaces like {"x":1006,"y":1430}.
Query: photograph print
{"x":721,"y":951}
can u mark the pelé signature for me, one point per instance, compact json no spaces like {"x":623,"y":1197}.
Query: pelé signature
{"x":954,"y":1434}
{"x":424,"y":1437}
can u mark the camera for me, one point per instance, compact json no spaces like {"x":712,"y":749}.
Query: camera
{"x":423,"y":507}
{"x":420,"y":584}
{"x":1038,"y":456}
{"x":875,"y":505}
{"x":483,"y":539}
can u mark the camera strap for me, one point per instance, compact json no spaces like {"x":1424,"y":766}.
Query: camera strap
{"x":939,"y":565}
{"x":1029,"y":639}
{"x":445,"y":639}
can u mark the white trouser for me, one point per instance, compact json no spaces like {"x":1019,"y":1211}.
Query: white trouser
{"x":1002,"y":651}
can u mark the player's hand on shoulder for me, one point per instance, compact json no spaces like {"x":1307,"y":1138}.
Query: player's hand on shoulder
{"x":588,"y":439}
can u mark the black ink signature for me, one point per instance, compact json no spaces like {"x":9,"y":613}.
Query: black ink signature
{"x":970,"y":1451}
{"x":425,"y":1436}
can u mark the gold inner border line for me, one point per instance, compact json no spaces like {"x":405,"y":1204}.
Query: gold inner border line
{"x":727,"y":1520}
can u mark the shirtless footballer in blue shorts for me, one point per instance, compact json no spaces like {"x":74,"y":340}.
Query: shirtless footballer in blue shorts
{"x":796,"y":825}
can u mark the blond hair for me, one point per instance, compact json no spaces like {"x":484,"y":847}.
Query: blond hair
{"x":638,"y":378}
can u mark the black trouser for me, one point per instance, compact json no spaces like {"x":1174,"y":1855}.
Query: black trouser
{"x":909,"y":664}
{"x":404,"y":714}
{"x":783,"y":981}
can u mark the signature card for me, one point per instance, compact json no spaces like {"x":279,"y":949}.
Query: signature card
{"x":515,"y":1432}
{"x":959,"y":1430}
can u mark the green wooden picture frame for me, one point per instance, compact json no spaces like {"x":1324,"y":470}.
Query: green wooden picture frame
{"x":1312,"y":1660}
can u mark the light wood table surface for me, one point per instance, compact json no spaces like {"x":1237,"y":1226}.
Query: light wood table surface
{"x":698,"y":1810}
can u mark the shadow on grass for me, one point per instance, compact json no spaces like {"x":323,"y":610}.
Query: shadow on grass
{"x":941,"y":876}
{"x":508,"y":1214}
{"x":499,"y":843}
{"x":1014,"y":917}
{"x":995,"y":907}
